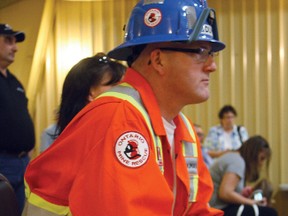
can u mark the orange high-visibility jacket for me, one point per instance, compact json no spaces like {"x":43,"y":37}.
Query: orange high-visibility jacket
{"x":114,"y":159}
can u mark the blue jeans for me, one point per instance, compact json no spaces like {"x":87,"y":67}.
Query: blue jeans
{"x":13,"y":168}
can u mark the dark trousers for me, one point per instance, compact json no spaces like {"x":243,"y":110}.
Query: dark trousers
{"x":232,"y":210}
{"x":13,"y":168}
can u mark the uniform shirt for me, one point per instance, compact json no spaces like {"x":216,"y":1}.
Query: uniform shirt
{"x":16,"y":126}
{"x":229,"y":162}
{"x":217,"y":139}
{"x":91,"y":176}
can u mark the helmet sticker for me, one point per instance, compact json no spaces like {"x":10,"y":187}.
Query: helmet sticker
{"x":207,"y":30}
{"x":147,"y":2}
{"x":132,"y":149}
{"x":152,"y":17}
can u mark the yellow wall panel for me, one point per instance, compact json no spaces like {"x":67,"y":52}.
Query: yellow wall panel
{"x":251,"y":73}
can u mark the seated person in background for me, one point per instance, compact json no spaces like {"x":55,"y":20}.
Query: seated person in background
{"x":206,"y":157}
{"x":226,"y":136}
{"x":83,"y":83}
{"x":229,"y":174}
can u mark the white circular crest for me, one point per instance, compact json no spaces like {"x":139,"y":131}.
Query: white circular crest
{"x":132,"y":149}
{"x":152,"y":17}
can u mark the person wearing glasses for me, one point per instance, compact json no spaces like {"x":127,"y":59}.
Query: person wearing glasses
{"x":227,"y":136}
{"x":131,"y":151}
{"x":83,"y":83}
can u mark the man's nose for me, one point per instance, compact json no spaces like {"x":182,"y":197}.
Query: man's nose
{"x":210,"y":65}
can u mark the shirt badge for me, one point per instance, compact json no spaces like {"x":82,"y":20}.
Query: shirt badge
{"x":131,"y":149}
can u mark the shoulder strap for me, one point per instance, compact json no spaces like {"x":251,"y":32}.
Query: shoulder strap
{"x":240,"y":136}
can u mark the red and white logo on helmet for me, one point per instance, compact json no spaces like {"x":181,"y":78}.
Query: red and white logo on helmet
{"x":132,"y":149}
{"x":152,"y":17}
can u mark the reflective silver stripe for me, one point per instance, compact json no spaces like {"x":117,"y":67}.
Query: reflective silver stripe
{"x":124,"y":89}
{"x":191,"y":157}
{"x":189,"y":150}
{"x":191,"y":163}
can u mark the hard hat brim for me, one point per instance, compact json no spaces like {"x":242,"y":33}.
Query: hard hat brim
{"x":123,"y":51}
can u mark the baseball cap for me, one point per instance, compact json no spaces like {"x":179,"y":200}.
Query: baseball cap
{"x":5,"y":29}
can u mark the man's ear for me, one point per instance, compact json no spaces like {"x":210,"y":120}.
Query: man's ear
{"x":156,"y":60}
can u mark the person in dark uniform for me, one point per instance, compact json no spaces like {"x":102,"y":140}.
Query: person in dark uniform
{"x":16,"y":127}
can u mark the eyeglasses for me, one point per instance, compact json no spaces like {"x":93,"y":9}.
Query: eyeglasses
{"x":202,"y":53}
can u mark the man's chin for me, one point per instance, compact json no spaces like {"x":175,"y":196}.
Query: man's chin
{"x":10,"y":61}
{"x":205,"y":97}
{"x":200,"y":100}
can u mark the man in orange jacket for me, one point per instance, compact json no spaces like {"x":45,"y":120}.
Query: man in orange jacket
{"x":131,"y":151}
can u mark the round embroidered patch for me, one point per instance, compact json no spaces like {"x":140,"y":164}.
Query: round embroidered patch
{"x":132,"y":149}
{"x":152,"y":17}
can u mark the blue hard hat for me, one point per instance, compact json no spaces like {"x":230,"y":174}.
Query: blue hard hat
{"x":154,"y":21}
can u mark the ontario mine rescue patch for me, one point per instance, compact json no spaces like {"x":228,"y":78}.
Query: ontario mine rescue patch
{"x":132,"y":149}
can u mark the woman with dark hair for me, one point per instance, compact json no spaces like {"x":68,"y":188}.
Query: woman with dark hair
{"x":227,"y":135}
{"x":229,"y":174}
{"x":84,"y":82}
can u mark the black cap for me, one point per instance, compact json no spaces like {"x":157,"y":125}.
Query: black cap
{"x":5,"y":29}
